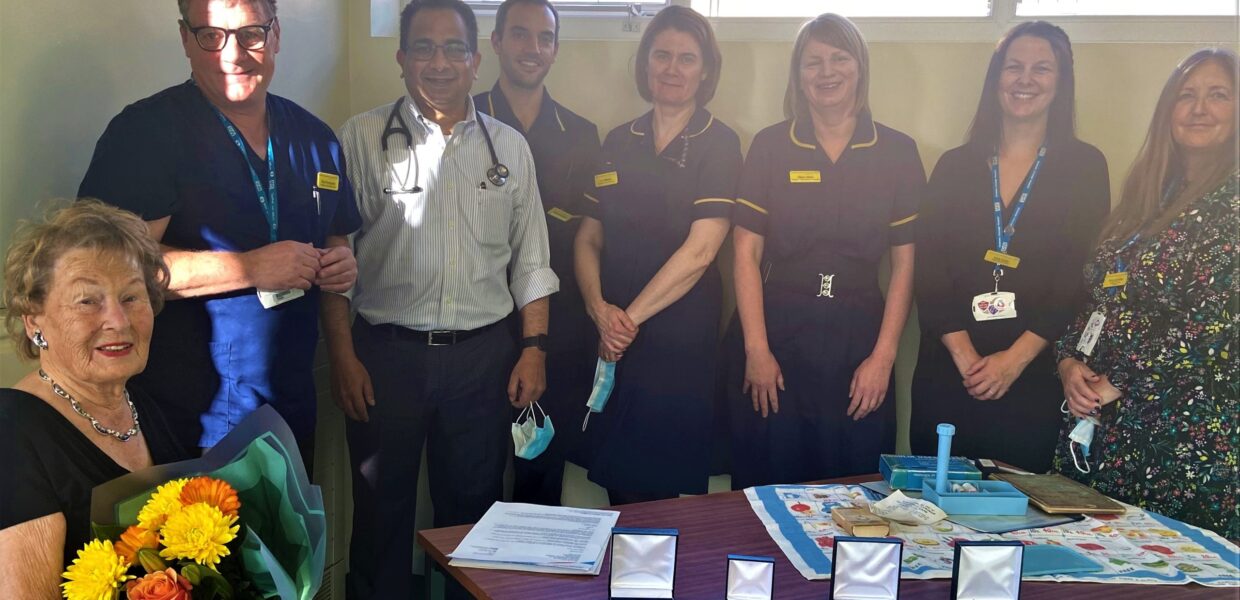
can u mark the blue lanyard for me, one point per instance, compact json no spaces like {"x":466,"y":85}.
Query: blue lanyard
{"x":266,"y":197}
{"x":1003,"y":235}
{"x":1119,"y":258}
{"x":1120,"y":264}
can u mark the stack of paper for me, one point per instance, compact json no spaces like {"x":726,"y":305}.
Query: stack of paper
{"x":542,"y":539}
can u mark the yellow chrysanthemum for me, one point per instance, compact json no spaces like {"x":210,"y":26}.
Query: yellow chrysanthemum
{"x":165,"y":502}
{"x":198,"y":532}
{"x":95,"y":574}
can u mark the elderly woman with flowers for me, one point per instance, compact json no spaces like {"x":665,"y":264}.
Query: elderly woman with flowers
{"x":82,"y":290}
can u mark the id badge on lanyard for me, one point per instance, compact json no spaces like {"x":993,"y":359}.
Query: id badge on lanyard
{"x":268,"y":200}
{"x":1113,"y":283}
{"x":996,"y":305}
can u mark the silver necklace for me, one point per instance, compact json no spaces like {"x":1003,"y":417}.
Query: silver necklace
{"x":77,"y":408}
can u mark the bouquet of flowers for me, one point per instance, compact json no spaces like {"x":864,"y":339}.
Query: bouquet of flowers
{"x":240,"y":523}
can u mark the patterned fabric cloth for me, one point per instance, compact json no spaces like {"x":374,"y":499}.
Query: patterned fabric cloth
{"x":1168,"y":344}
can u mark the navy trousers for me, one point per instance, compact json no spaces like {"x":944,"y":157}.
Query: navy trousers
{"x":454,"y":400}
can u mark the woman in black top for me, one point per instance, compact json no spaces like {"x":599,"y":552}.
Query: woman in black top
{"x":82,"y":291}
{"x":983,"y":363}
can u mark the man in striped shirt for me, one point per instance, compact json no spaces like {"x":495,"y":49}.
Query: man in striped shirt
{"x":452,"y":238}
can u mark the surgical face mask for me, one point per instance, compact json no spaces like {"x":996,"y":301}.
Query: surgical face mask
{"x":528,"y":439}
{"x":604,"y":381}
{"x":1082,"y":435}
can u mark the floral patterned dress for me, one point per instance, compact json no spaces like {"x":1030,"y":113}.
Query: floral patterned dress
{"x":1168,"y":344}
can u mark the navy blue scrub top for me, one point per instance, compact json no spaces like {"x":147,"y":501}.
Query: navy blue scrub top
{"x":643,"y":197}
{"x":214,"y":359}
{"x":819,"y":216}
{"x":565,"y":148}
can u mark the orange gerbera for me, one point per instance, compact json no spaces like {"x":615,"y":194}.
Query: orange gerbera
{"x":213,"y":492}
{"x":135,"y":538}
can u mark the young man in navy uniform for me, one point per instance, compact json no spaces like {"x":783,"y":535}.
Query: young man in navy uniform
{"x":565,"y":147}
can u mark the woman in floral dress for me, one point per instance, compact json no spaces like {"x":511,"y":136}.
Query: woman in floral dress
{"x":1160,"y":376}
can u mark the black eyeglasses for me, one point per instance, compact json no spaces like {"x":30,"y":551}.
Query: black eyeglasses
{"x":425,"y":50}
{"x":213,"y":39}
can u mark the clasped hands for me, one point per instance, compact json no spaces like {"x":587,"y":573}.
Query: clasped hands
{"x":989,"y":377}
{"x":1086,"y":391}
{"x":288,"y":265}
{"x":616,"y":331}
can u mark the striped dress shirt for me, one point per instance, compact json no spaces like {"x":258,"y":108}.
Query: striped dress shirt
{"x":459,"y":253}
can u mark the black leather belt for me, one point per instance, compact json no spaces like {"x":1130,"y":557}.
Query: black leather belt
{"x":438,"y":337}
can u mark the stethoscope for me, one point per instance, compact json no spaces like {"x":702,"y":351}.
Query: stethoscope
{"x":497,"y":174}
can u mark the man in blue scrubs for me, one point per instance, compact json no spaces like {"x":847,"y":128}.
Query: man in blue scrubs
{"x":565,"y":148}
{"x":247,"y":194}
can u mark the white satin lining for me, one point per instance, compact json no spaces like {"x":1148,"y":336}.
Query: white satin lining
{"x":989,"y":573}
{"x":642,"y":566}
{"x":750,"y":580}
{"x":866,"y":571}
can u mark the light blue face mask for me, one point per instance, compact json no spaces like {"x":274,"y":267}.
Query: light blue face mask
{"x":1082,"y":435}
{"x":604,"y":381}
{"x":528,"y":439}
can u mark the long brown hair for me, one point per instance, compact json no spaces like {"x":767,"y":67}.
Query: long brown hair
{"x":986,"y":132}
{"x":1160,"y":165}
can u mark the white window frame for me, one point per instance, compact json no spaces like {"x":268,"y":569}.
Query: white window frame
{"x":613,"y":24}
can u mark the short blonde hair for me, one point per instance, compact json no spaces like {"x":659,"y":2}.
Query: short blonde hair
{"x":87,"y":224}
{"x":833,"y":30}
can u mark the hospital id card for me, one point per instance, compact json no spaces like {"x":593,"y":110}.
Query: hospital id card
{"x":993,"y":306}
{"x":276,"y":298}
{"x":1089,"y":337}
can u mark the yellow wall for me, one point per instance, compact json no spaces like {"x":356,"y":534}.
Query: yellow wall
{"x":67,"y":67}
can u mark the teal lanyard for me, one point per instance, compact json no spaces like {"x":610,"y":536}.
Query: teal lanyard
{"x":267,"y":196}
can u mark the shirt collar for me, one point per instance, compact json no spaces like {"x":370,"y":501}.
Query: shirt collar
{"x":865,"y":134}
{"x":548,"y":112}
{"x":698,"y":124}
{"x":426,"y":123}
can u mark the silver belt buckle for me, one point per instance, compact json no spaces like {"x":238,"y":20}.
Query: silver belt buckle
{"x":449,"y":336}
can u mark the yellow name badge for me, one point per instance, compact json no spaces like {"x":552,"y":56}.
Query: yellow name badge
{"x":999,"y":258}
{"x":327,"y":181}
{"x":606,"y":179}
{"x":805,"y":176}
{"x":1115,"y":279}
{"x":561,"y":214}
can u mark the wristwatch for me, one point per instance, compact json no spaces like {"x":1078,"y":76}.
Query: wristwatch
{"x":535,"y":341}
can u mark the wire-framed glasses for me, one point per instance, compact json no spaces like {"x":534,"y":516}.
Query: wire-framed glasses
{"x":455,"y":51}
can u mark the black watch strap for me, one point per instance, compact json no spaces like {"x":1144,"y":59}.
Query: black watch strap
{"x":535,"y":341}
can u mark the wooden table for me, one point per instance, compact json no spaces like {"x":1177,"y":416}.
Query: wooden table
{"x":715,"y":525}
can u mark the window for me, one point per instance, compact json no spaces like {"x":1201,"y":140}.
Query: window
{"x":633,"y":7}
{"x":1113,"y":8}
{"x":848,"y":8}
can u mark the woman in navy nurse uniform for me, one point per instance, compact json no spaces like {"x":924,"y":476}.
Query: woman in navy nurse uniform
{"x":645,"y":253}
{"x":824,"y":196}
{"x":994,"y":376}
